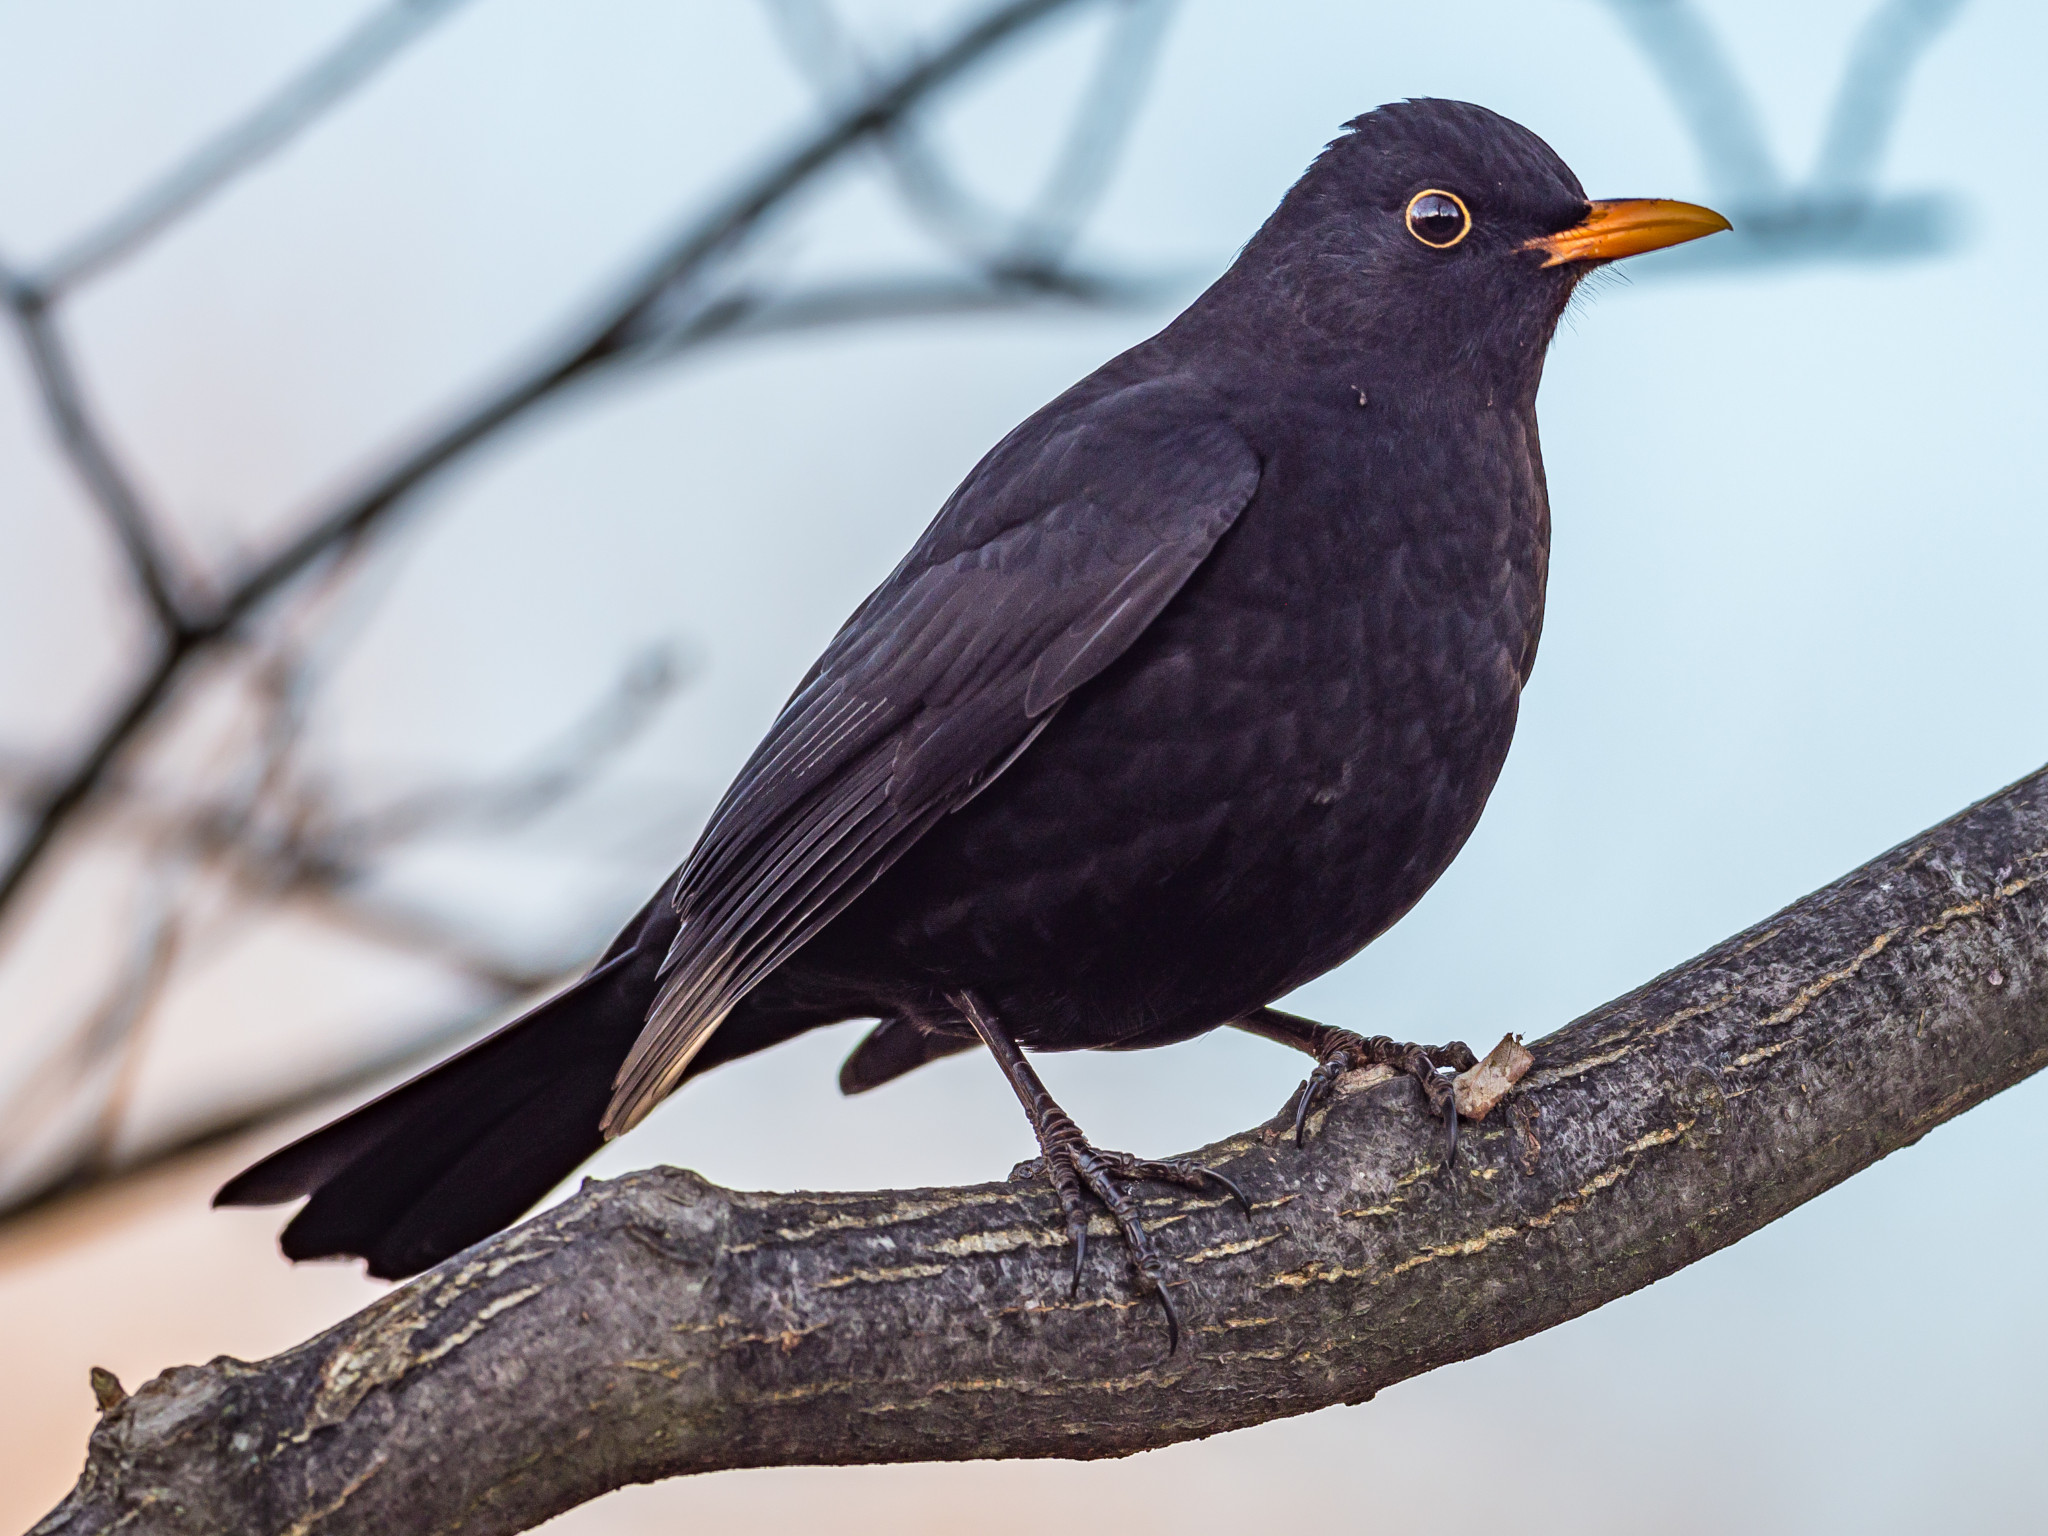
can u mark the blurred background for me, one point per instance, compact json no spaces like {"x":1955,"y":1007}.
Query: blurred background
{"x":433,"y":442}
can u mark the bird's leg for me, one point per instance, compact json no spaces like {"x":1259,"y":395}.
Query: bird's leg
{"x":1074,"y":1164}
{"x":1338,"y":1051}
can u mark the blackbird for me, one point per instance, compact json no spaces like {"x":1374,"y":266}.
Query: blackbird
{"x":1192,"y":688}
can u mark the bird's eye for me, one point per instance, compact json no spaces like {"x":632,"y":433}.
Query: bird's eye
{"x":1438,"y":219}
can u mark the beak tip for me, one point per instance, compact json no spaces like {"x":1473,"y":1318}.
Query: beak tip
{"x":1629,"y":226}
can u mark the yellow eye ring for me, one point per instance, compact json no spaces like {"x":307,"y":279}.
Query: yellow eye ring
{"x":1426,"y":208}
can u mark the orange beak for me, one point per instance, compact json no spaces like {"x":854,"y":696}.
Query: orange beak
{"x":1628,"y":226}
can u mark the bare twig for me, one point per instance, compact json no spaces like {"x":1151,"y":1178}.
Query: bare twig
{"x":316,"y":859}
{"x":68,"y":792}
{"x":1702,"y":80}
{"x":1709,"y":94}
{"x":1836,"y":212}
{"x":108,"y":485}
{"x":1038,"y":237}
{"x":638,"y":315}
{"x":749,"y":317}
{"x":1873,"y":91}
{"x":649,"y":681}
{"x":226,"y":1123}
{"x":658,"y":1325}
{"x":296,"y":104}
{"x":110,"y":1032}
{"x":30,"y":295}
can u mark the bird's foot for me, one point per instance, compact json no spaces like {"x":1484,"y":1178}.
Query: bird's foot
{"x":1339,"y":1051}
{"x":1078,"y":1168}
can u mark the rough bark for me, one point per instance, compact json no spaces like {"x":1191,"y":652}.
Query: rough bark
{"x":658,"y":1325}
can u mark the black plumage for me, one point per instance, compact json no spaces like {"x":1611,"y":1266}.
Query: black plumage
{"x":1193,"y":687}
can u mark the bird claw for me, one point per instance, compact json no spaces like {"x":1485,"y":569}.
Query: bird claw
{"x":1176,"y":1170}
{"x":1316,"y":1087}
{"x":1442,"y":1099}
{"x":1431,"y":1067}
{"x":1079,"y":1169}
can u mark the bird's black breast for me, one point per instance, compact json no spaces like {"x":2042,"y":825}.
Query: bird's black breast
{"x":1278,"y":768}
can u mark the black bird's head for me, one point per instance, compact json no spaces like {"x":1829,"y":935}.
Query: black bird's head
{"x":1443,"y":241}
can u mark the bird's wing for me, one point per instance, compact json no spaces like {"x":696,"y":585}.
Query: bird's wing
{"x":1052,"y":557}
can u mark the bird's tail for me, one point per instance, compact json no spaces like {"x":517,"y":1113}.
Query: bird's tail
{"x":465,"y":1148}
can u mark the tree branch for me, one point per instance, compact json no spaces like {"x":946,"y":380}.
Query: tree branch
{"x":658,"y":1325}
{"x":635,"y":318}
{"x":629,"y":318}
{"x":92,"y":458}
{"x":1037,"y":238}
{"x":1873,"y":90}
{"x":293,"y":106}
{"x":231,"y":1122}
{"x":212,"y":166}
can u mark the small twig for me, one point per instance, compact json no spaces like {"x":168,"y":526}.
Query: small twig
{"x":112,"y":1029}
{"x":127,"y":1049}
{"x":1000,"y":243}
{"x":107,"y":484}
{"x":69,"y":793}
{"x":418,"y":1050}
{"x":413,"y":930}
{"x":1726,"y":126}
{"x":1873,"y":90}
{"x":612,"y":333}
{"x":617,"y":327}
{"x":745,"y":317}
{"x":1109,"y":110}
{"x":647,"y":683}
{"x":300,"y":101}
{"x":1709,"y":93}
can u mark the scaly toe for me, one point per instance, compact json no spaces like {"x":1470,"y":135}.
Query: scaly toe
{"x":1176,"y":1170}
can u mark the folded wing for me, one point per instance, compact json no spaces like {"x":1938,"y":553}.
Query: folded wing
{"x":1052,"y":557}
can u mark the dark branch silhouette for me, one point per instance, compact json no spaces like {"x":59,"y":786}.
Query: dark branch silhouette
{"x":1873,"y":92}
{"x":1836,"y":212}
{"x":1036,"y":238}
{"x":271,"y":834}
{"x":632,"y":318}
{"x":92,"y":457}
{"x":657,"y":1325}
{"x":295,"y":105}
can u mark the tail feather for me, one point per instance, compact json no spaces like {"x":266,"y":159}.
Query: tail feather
{"x":405,"y":1207}
{"x":446,"y":1159}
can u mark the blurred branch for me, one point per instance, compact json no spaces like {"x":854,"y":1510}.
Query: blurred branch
{"x":80,"y":1175}
{"x":92,"y":457}
{"x":108,"y":1034}
{"x":620,"y":327}
{"x":1709,"y":94}
{"x":658,"y":1325}
{"x":267,"y":828}
{"x":1873,"y":91}
{"x":295,"y":105}
{"x":1038,"y":237}
{"x":30,"y":295}
{"x":746,"y":316}
{"x":1836,"y":212}
{"x":309,"y":854}
{"x":614,"y":722}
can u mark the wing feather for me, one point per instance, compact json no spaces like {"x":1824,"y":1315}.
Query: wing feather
{"x":1048,"y":562}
